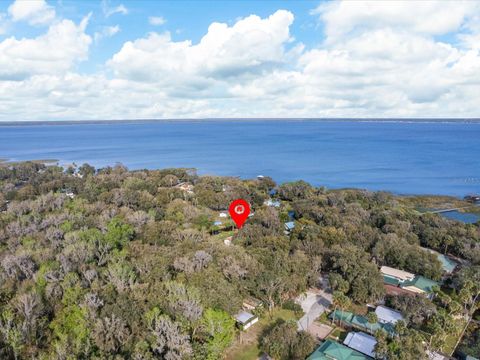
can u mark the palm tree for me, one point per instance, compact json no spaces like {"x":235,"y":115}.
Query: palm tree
{"x":372,"y":318}
{"x":341,"y":301}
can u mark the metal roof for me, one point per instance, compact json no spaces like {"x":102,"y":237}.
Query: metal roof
{"x":387,"y":315}
{"x":244,"y":317}
{"x":361,"y":342}
{"x":399,"y":274}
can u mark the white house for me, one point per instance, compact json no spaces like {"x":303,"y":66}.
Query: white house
{"x":386,"y":315}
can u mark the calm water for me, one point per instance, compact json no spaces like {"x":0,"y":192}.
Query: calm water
{"x":468,"y":218}
{"x":402,"y":157}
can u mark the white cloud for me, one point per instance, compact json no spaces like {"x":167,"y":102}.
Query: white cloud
{"x":36,"y":12}
{"x":156,"y":20}
{"x":106,"y":32}
{"x":55,"y":52}
{"x":109,"y":11}
{"x":341,"y":18}
{"x":372,"y":64}
{"x":251,"y":46}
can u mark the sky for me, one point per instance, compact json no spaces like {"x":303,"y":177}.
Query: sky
{"x":95,"y":60}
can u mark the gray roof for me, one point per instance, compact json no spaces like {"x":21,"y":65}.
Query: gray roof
{"x":361,"y":342}
{"x":244,"y":317}
{"x":387,"y":315}
{"x":289,"y":225}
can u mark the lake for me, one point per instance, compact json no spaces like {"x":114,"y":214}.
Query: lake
{"x":469,"y":218}
{"x":406,"y":157}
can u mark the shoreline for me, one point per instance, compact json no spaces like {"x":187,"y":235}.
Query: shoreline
{"x":424,"y":202}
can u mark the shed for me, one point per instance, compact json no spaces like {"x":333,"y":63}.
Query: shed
{"x":245,"y":319}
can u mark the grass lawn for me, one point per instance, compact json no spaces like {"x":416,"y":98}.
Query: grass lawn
{"x":451,"y":340}
{"x":338,"y":334}
{"x":245,"y":346}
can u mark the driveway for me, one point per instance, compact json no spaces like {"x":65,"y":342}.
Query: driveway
{"x":314,"y":302}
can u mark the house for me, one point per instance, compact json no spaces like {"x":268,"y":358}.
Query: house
{"x":407,"y":282}
{"x":472,"y":198}
{"x":184,"y":186}
{"x":245,"y":320}
{"x":386,"y":315}
{"x":360,"y":322}
{"x":332,"y":350}
{"x":272,"y":203}
{"x":251,"y":304}
{"x":448,"y":265}
{"x":223,"y":215}
{"x":289,"y":226}
{"x":394,"y":276}
{"x":420,"y":285}
{"x":217,"y":223}
{"x":361,"y":342}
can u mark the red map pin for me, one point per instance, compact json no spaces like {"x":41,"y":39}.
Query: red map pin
{"x":239,"y":211}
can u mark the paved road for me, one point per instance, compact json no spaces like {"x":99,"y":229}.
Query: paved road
{"x":314,"y":303}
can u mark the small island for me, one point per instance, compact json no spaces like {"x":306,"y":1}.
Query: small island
{"x":147,"y":264}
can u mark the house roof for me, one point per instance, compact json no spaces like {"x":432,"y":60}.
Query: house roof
{"x":290,"y":225}
{"x":361,"y":322}
{"x":387,"y":315}
{"x":333,"y":350}
{"x":361,"y":342}
{"x":391,"y":280}
{"x":274,"y":203}
{"x":396,"y":273}
{"x":421,"y":283}
{"x":448,"y":265}
{"x":244,"y":317}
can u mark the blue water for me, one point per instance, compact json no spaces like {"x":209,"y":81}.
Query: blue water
{"x":469,"y":218}
{"x":402,"y":157}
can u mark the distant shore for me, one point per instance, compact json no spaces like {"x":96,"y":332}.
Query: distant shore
{"x":130,"y":121}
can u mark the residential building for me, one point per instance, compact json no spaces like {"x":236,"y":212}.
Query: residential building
{"x":448,"y":265}
{"x":361,"y":342}
{"x":407,"y":282}
{"x":332,"y":350}
{"x":272,"y":203}
{"x":386,"y":315}
{"x":289,"y":226}
{"x":360,"y":322}
{"x":395,"y":276}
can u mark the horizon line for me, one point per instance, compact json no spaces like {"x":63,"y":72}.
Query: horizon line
{"x":249,"y":119}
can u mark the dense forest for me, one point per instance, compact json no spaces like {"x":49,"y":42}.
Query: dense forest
{"x":119,"y":264}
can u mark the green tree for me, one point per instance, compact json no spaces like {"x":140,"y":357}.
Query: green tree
{"x":217,"y":330}
{"x":71,"y":331}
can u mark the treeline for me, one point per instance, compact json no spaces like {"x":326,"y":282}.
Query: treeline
{"x":118,"y":264}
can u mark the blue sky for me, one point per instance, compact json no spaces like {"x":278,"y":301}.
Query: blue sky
{"x":186,"y":20}
{"x":175,"y":59}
